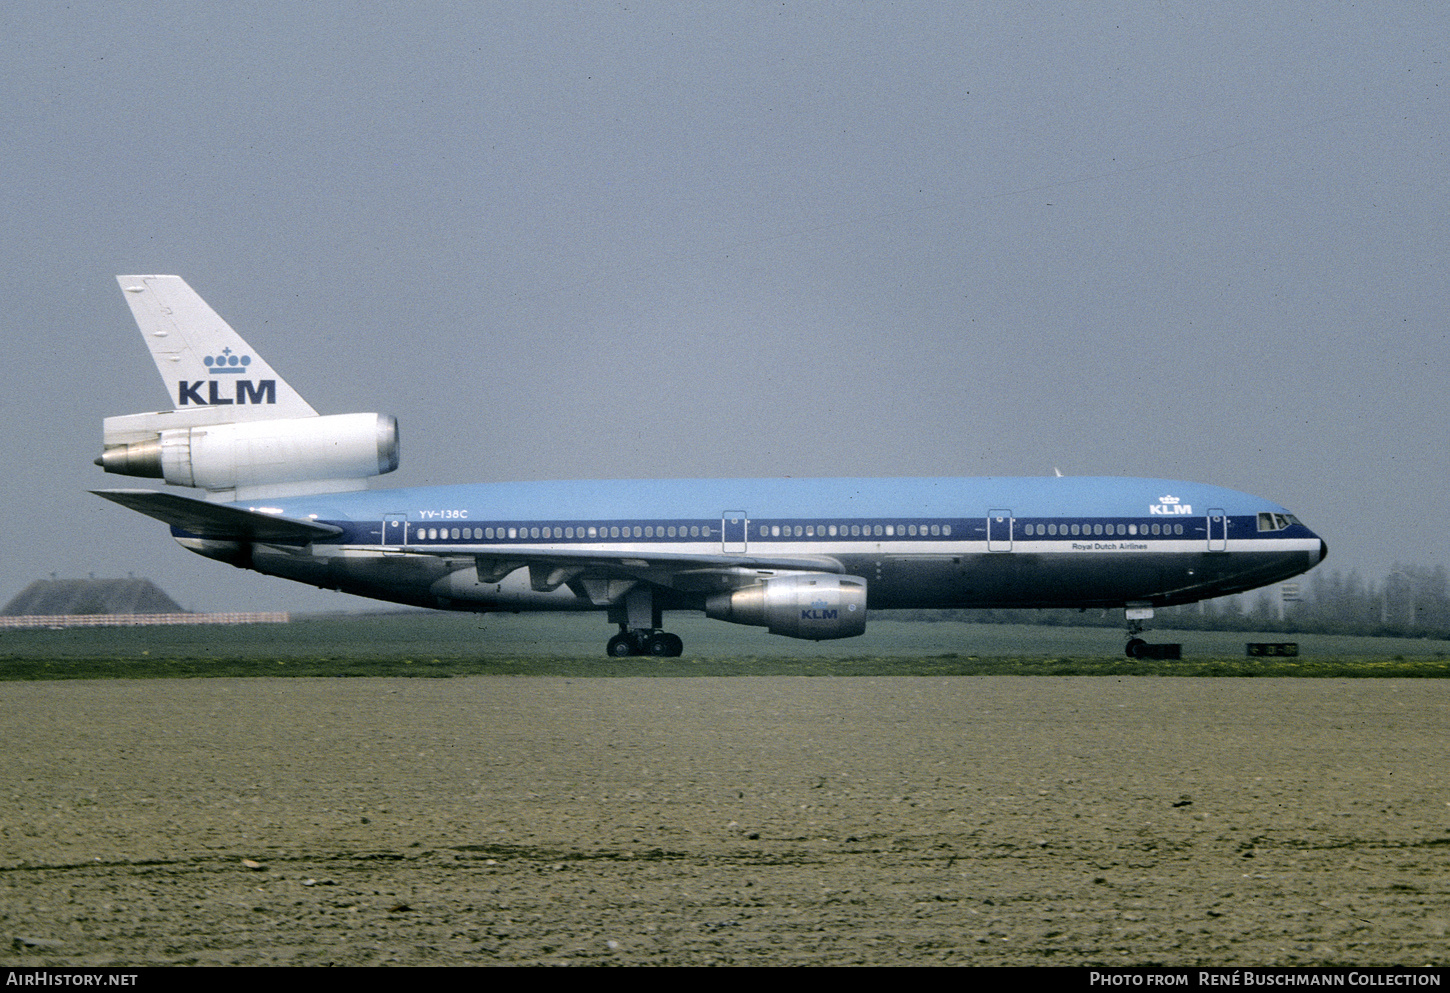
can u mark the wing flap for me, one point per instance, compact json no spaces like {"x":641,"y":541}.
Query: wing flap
{"x":640,"y":564}
{"x":603,"y":576}
{"x":217,"y":521}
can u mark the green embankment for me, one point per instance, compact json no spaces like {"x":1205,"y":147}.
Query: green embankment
{"x":440,"y":645}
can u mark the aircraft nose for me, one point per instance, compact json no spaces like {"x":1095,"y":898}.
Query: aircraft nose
{"x":1323,"y":551}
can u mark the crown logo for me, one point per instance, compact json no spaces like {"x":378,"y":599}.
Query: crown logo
{"x":1168,"y":499}
{"x":227,"y":361}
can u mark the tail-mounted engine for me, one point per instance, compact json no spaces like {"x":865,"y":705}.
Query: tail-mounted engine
{"x":256,"y":458}
{"x":813,"y":606}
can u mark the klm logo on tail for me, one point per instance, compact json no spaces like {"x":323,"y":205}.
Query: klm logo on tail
{"x":262,"y":391}
{"x":247,"y":392}
{"x":227,"y":361}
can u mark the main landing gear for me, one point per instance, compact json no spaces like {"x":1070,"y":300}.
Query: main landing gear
{"x":1138,"y":616}
{"x":639,"y":628}
{"x":660,"y":644}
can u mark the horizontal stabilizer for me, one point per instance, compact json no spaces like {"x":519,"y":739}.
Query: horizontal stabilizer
{"x":219,"y":522}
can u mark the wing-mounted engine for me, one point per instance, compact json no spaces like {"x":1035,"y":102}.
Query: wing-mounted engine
{"x":253,"y":459}
{"x":813,"y":606}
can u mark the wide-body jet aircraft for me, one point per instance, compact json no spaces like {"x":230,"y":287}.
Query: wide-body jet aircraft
{"x":285,"y":493}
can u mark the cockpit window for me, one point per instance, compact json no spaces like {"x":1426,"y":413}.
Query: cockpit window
{"x":1276,"y":522}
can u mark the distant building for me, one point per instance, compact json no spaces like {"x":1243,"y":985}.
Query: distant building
{"x":91,"y":603}
{"x":55,"y":597}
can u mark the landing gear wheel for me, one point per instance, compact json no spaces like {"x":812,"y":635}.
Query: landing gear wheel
{"x":1135,"y":647}
{"x":621,"y":646}
{"x":663,"y":645}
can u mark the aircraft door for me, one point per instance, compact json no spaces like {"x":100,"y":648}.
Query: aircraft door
{"x":999,"y":530}
{"x":732,"y":532}
{"x":1217,"y":530}
{"x":395,"y":529}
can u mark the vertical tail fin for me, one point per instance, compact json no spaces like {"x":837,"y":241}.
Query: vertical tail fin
{"x":204,"y":363}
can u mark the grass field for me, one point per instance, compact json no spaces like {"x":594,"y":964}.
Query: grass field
{"x":441,"y":645}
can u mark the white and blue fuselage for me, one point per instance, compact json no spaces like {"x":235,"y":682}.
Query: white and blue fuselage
{"x":975,"y":542}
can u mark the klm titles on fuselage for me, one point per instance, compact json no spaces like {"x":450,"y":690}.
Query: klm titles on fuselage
{"x":1170,"y":505}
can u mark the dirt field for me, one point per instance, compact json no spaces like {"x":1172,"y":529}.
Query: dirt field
{"x":992,"y":821}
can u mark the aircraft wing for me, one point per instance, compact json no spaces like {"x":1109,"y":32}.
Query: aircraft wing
{"x":677,"y":571}
{"x":215,"y":521}
{"x":603,"y":576}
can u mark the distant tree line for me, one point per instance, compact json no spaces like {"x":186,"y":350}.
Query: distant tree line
{"x":1411,"y":602}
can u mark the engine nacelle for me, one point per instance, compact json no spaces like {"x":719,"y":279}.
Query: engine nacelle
{"x":263,"y":453}
{"x":814,"y":606}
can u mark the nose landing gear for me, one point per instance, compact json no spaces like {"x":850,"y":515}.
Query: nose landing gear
{"x":1137,"y":616}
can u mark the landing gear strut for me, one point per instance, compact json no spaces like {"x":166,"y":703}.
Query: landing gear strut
{"x":1138,"y":616}
{"x":639,"y":628}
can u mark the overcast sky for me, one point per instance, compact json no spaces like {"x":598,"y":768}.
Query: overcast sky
{"x":563,"y":240}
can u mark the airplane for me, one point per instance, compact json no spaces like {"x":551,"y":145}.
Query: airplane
{"x":284,"y":491}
